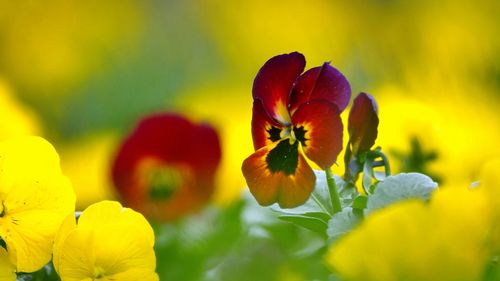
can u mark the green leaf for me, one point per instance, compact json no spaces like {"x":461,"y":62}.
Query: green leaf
{"x":318,"y":215}
{"x":400,"y":187}
{"x":312,"y":223}
{"x":342,"y":223}
{"x":367,"y":174}
{"x":360,"y":202}
{"x":46,"y":273}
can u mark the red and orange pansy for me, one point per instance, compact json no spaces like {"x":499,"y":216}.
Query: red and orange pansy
{"x":294,"y":113}
{"x":166,"y":167}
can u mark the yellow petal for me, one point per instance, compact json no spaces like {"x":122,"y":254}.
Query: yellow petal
{"x":35,"y":198}
{"x":112,"y":213}
{"x":110,"y":242}
{"x":413,"y":241}
{"x":7,"y":270}
{"x":119,"y":249}
{"x":75,"y":256}
{"x":134,"y":274}
{"x":65,"y":230}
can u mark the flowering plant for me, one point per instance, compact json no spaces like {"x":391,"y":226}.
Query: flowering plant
{"x":294,"y":114}
{"x":326,"y":220}
{"x":37,"y":224}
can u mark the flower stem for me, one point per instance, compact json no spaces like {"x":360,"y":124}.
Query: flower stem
{"x":385,"y":160}
{"x":332,"y":188}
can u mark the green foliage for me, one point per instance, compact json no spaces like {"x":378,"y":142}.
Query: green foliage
{"x":189,"y":248}
{"x":342,"y":223}
{"x":231,"y":243}
{"x":46,"y":273}
{"x":312,"y":221}
{"x":360,"y":202}
{"x":400,"y":187}
{"x":317,"y":214}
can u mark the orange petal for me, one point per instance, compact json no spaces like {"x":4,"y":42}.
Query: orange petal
{"x":268,"y":187}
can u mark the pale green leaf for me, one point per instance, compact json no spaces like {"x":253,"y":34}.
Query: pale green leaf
{"x":314,"y":224}
{"x":400,"y":187}
{"x":342,"y":223}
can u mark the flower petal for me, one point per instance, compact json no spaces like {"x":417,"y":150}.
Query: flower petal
{"x":122,"y":250}
{"x":273,"y":84}
{"x":268,"y":186}
{"x":321,"y":83}
{"x":36,"y":198}
{"x":363,"y":123}
{"x":113,"y":242}
{"x":68,"y":225}
{"x":317,"y":125}
{"x":7,"y":269}
{"x":112,"y":213}
{"x":171,"y":138}
{"x":265,"y":130}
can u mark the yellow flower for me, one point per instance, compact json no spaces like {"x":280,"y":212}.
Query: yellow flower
{"x":7,"y":269}
{"x":35,"y":198}
{"x":445,"y":240}
{"x":108,"y":243}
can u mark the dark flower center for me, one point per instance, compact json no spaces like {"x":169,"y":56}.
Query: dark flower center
{"x":284,"y":157}
{"x":300,"y":135}
{"x":274,"y":134}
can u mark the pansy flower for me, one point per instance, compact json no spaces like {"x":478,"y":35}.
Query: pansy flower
{"x":294,"y":114}
{"x":167,"y":166}
{"x":108,"y":242}
{"x":35,"y":197}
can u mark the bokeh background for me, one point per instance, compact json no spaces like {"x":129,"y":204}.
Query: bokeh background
{"x":81,"y":74}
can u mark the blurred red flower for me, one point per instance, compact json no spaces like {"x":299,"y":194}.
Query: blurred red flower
{"x":293,"y":113}
{"x":166,"y":167}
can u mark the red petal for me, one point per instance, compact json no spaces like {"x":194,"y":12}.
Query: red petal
{"x":268,"y":187}
{"x":322,"y":141}
{"x":363,"y":123}
{"x":172,"y":141}
{"x":321,"y":83}
{"x":264,"y":129}
{"x":273,"y":84}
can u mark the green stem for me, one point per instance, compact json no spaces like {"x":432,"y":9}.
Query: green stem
{"x":334,"y":195}
{"x":385,"y":160}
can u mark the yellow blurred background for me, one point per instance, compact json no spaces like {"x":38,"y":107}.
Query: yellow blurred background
{"x":81,"y":73}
